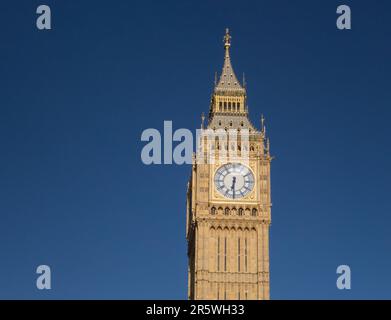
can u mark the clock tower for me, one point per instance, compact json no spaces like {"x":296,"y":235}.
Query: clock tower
{"x":228,"y":199}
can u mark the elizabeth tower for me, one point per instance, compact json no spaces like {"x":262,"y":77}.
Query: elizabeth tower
{"x":228,"y":200}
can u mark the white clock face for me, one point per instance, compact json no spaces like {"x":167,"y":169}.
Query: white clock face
{"x":234,"y":180}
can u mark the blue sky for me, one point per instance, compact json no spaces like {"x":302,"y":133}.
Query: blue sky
{"x":74,"y":101}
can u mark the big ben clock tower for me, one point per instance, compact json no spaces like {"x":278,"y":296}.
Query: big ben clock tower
{"x":228,"y":199}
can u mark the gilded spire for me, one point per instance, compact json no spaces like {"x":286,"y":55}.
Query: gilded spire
{"x":228,"y":81}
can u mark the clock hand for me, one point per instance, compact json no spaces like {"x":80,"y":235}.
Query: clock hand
{"x":233,"y":187}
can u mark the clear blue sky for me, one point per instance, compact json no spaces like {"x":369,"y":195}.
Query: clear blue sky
{"x":74,"y":101}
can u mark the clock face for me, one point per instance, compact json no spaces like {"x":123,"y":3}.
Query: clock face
{"x":234,"y":180}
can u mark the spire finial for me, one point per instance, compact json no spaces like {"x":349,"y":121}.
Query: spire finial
{"x":215,"y":78}
{"x":227,"y":39}
{"x":202,"y":120}
{"x":263,"y":123}
{"x":244,"y":80}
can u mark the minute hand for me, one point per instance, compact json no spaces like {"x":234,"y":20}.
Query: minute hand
{"x":233,"y":187}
